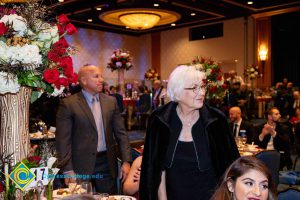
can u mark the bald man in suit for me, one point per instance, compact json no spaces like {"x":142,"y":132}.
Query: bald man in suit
{"x":90,"y":133}
{"x":235,"y":116}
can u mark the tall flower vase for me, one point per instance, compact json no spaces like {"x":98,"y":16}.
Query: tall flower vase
{"x":121,"y":80}
{"x":121,"y":76}
{"x":14,"y":131}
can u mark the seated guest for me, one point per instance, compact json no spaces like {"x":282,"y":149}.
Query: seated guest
{"x":158,"y":94}
{"x":296,"y":118}
{"x":276,"y":135}
{"x":131,"y":184}
{"x":237,"y":124}
{"x":246,"y":178}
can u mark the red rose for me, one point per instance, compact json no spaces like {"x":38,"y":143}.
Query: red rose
{"x":65,"y":62}
{"x":62,"y":81}
{"x":53,"y":56}
{"x":224,"y":86}
{"x":68,"y":71}
{"x":219,"y":78}
{"x":62,"y":19}
{"x":74,"y":78}
{"x":34,"y":159}
{"x":51,"y":75}
{"x":60,"y":29}
{"x":3,"y":28}
{"x":1,"y":187}
{"x":212,"y":89}
{"x":70,"y":28}
{"x":61,"y":44}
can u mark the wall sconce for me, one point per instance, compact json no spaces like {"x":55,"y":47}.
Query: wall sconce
{"x":263,"y":54}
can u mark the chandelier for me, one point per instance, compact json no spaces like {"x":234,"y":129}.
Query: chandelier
{"x":139,"y":18}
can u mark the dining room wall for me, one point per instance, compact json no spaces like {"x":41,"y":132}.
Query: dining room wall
{"x":232,"y":50}
{"x":96,"y":47}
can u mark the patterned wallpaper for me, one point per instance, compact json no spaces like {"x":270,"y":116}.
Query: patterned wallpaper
{"x":96,"y":47}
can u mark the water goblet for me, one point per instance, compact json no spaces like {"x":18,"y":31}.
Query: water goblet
{"x":86,"y":187}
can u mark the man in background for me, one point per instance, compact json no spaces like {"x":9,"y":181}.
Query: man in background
{"x":276,"y":135}
{"x":89,"y":131}
{"x":238,"y":125}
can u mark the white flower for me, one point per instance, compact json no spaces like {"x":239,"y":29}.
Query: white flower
{"x":208,"y":72}
{"x":128,"y":64}
{"x":51,"y":161}
{"x":199,"y":66}
{"x":124,"y":54}
{"x":57,"y":92}
{"x":252,"y":69}
{"x":49,"y":35}
{"x":27,"y":54}
{"x":8,"y":83}
{"x":19,"y":24}
{"x":118,"y":64}
{"x":3,"y":52}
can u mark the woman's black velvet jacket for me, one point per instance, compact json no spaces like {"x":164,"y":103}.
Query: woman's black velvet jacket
{"x":160,"y":145}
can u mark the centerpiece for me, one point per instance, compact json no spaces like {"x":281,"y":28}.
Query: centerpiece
{"x":251,"y":73}
{"x":216,"y":88}
{"x":34,"y":58}
{"x":120,"y":60}
{"x":151,"y":74}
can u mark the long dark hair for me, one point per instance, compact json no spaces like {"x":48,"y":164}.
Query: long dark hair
{"x":237,"y":169}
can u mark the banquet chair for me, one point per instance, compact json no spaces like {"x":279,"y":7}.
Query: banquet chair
{"x":271,"y":158}
{"x":289,"y":194}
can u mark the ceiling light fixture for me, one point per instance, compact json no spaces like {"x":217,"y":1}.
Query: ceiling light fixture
{"x":156,"y":4}
{"x":250,"y":2}
{"x":193,"y":14}
{"x":90,"y":20}
{"x":98,"y":8}
{"x":139,"y":18}
{"x":12,"y":1}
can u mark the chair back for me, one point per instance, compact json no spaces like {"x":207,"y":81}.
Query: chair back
{"x":271,"y":158}
{"x":289,"y":194}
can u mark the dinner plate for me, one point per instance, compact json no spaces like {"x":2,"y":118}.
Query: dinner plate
{"x":121,"y":197}
{"x":67,"y":192}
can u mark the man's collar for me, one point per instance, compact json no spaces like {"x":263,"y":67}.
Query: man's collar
{"x":88,"y":96}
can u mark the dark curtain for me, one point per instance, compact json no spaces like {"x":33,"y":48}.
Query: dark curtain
{"x":286,"y":47}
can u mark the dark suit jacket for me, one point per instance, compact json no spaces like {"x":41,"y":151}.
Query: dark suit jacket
{"x":76,"y":134}
{"x":248,"y":127}
{"x":281,"y":141}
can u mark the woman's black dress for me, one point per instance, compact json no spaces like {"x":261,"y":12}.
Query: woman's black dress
{"x":184,"y":179}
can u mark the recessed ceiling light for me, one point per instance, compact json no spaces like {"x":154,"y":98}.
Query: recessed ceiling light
{"x":193,"y":14}
{"x":250,"y":2}
{"x":156,"y":5}
{"x":98,"y":8}
{"x":203,"y":36}
{"x":173,"y":24}
{"x":90,"y":20}
{"x":61,"y":1}
{"x":127,"y":27}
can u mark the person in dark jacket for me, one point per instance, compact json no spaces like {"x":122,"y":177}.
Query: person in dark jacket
{"x":188,"y":144}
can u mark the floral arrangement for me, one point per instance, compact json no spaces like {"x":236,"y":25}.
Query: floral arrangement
{"x":151,"y":74}
{"x":216,"y":88}
{"x":33,"y":51}
{"x":252,"y":72}
{"x":120,"y":59}
{"x":33,"y":161}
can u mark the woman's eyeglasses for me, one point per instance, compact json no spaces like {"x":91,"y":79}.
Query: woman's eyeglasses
{"x":197,"y":88}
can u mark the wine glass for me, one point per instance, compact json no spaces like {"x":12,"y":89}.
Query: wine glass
{"x":86,"y":187}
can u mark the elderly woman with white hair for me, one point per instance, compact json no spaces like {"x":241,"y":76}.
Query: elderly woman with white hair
{"x":188,"y":144}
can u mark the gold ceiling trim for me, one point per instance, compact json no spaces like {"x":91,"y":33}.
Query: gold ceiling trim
{"x":113,"y":17}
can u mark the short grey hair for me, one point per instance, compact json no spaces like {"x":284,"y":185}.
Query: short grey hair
{"x":181,"y":77}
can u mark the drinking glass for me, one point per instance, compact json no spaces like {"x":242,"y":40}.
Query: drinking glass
{"x":86,"y":187}
{"x":244,"y":139}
